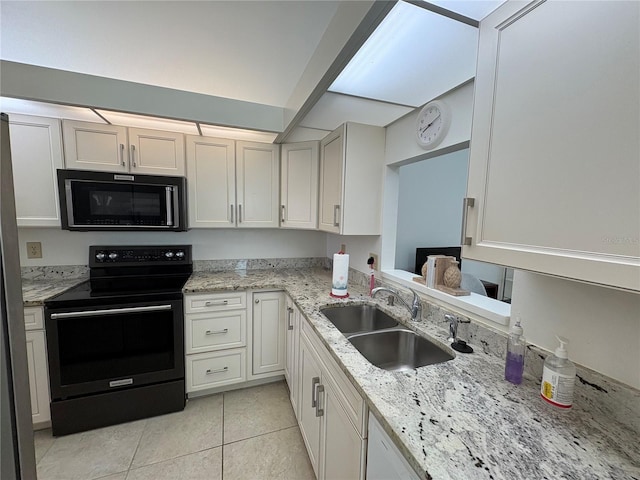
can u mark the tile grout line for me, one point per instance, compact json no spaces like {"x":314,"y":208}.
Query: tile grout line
{"x":146,"y":423}
{"x":222,"y":439}
{"x":265,"y":433}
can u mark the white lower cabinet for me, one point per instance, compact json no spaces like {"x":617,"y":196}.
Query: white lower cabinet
{"x":384,"y":460}
{"x":215,"y":340}
{"x":268,"y":333}
{"x":292,"y":348}
{"x":332,"y":414}
{"x":37,"y":365}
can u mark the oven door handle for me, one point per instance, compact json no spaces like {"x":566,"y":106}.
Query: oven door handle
{"x":111,"y":311}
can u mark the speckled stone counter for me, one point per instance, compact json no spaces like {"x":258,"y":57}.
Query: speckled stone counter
{"x":459,"y":419}
{"x":35,"y":292}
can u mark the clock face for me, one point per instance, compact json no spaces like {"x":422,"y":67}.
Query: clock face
{"x":431,"y":125}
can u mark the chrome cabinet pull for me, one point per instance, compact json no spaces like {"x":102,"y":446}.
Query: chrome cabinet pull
{"x":219,"y":370}
{"x":289,"y":324}
{"x":336,"y":212}
{"x":111,"y":311}
{"x":217,"y":332}
{"x":240,"y":213}
{"x":209,"y":303}
{"x":314,"y":381}
{"x":466,"y":203}
{"x":133,"y":157}
{"x":283,"y":210}
{"x":231,"y":210}
{"x":122,"y":154}
{"x":319,"y":411}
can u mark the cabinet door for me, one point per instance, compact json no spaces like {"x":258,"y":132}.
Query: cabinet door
{"x":331,"y":169}
{"x":309,"y":374}
{"x":211,"y":182}
{"x":36,"y":154}
{"x":299,"y":185}
{"x":38,"y":376}
{"x":94,"y":146}
{"x":291,"y":362}
{"x":554,"y":165}
{"x":268,"y":332}
{"x":341,"y":450}
{"x":384,"y":460}
{"x":156,"y":152}
{"x":257,"y":184}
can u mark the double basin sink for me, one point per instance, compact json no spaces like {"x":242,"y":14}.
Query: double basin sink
{"x":382,"y":340}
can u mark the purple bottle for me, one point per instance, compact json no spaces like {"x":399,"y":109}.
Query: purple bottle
{"x":514,"y":365}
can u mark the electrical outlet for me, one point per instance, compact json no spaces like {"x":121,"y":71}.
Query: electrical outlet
{"x":343,"y":247}
{"x":376,"y":265}
{"x":34,"y":250}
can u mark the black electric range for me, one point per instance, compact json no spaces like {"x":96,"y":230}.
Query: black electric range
{"x":116,"y":342}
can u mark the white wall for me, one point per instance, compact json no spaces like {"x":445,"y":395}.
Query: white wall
{"x":603,"y":325}
{"x":358,"y":248}
{"x":401,"y":142}
{"x":61,"y":247}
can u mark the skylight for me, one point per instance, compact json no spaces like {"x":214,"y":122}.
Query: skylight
{"x":412,"y":57}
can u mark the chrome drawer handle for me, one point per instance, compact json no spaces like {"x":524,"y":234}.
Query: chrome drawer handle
{"x":219,"y":370}
{"x":289,"y":324}
{"x":319,"y":411}
{"x":217,"y":332}
{"x":209,"y":303}
{"x":314,"y":382}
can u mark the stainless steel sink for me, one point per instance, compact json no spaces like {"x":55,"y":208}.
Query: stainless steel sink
{"x":358,"y":318}
{"x":398,"y":349}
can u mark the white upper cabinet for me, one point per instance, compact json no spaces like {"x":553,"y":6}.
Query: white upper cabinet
{"x":211,"y":181}
{"x":232,"y":184}
{"x":351,"y":167}
{"x":36,"y":153}
{"x":299,"y":185}
{"x":554,"y":163}
{"x":257,"y":186}
{"x":94,"y":146}
{"x":156,"y":152}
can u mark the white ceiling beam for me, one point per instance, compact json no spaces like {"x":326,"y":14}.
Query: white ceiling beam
{"x":31,"y":82}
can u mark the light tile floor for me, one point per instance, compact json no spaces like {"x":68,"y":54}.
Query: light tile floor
{"x":242,"y":434}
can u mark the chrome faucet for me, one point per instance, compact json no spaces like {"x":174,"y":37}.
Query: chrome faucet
{"x":416,"y":307}
{"x":456,"y":343}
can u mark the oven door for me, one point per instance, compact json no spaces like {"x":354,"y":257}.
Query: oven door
{"x":94,"y":350}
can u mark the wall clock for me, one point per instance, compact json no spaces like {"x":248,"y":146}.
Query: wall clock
{"x":432,"y":124}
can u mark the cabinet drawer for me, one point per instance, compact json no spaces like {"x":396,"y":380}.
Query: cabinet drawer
{"x":33,"y":318}
{"x":215,"y":330}
{"x":215,"y":302}
{"x":208,"y":370}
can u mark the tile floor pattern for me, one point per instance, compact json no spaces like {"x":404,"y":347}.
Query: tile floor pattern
{"x":243,"y":434}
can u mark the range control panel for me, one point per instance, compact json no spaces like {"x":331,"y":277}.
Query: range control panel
{"x":128,"y":255}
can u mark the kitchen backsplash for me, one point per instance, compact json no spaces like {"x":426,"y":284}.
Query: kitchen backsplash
{"x":57,"y":272}
{"x":257,"y":264}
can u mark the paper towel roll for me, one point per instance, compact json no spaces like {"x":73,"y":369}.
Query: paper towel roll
{"x":340,"y":275}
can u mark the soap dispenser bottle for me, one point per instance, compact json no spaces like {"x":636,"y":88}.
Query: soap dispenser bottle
{"x":558,"y":377}
{"x":514,"y":364}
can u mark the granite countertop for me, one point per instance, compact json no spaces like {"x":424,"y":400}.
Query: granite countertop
{"x":459,"y":419}
{"x":36,"y":292}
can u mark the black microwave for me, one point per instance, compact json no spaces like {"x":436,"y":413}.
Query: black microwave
{"x":98,"y":201}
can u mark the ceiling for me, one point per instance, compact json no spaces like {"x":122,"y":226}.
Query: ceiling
{"x":282,"y":54}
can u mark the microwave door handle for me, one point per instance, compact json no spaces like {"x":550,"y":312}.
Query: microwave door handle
{"x":169,"y":197}
{"x":69,"y":200}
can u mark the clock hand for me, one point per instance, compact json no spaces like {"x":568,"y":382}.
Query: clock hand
{"x":425,"y":128}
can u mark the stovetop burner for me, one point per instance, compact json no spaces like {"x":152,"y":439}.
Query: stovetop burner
{"x":121,"y":274}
